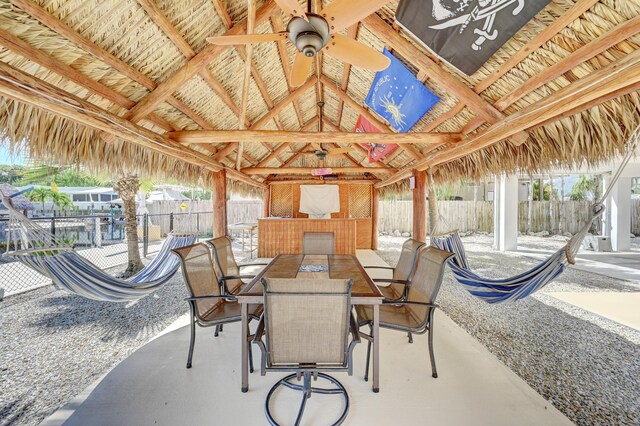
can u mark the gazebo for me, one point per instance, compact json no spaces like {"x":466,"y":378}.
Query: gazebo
{"x":135,"y":86}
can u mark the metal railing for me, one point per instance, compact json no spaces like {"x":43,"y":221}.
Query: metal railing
{"x":100,"y":238}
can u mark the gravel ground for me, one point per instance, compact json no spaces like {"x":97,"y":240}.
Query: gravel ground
{"x":54,"y":344}
{"x":585,"y":365}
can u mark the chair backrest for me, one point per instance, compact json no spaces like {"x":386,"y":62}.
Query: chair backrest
{"x":225,"y":262}
{"x":307,"y":321}
{"x":426,"y":281}
{"x":199,"y":276}
{"x":408,"y":259}
{"x":318,"y":243}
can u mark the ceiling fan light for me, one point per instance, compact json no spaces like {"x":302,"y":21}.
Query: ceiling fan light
{"x":309,"y":43}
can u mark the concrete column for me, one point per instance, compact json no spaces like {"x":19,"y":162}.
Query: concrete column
{"x":606,"y":217}
{"x":508,"y":213}
{"x":496,"y":212}
{"x":621,"y":214}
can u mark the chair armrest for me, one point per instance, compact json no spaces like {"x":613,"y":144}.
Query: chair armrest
{"x":226,"y":297}
{"x":252,"y":264}
{"x":387,"y":280}
{"x":378,"y":267}
{"x":353,"y":327}
{"x":428,"y":305}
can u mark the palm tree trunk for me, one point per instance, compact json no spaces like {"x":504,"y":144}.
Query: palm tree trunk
{"x":128,"y":187}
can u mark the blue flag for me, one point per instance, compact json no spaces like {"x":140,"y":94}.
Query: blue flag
{"x":398,"y":96}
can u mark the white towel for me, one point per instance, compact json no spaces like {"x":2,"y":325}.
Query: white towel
{"x":319,"y":200}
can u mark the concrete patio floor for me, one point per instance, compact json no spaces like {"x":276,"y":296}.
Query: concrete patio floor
{"x":153,"y":386}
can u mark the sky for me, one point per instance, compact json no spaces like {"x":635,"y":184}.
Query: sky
{"x":7,"y":158}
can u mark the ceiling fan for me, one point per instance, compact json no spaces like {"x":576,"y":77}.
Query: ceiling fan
{"x":311,"y":33}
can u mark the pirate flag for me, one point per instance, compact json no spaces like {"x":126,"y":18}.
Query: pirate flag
{"x":466,"y":33}
{"x":398,"y":96}
{"x":377,"y":151}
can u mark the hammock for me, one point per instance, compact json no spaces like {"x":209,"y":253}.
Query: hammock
{"x":522,"y":285}
{"x":41,"y":251}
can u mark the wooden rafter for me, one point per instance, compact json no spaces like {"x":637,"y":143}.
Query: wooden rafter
{"x":436,"y":73}
{"x":278,"y":136}
{"x":41,"y":58}
{"x":308,"y":170}
{"x":352,"y":32}
{"x":192,"y":67}
{"x":70,"y":34}
{"x":274,"y":155}
{"x":619,"y":77}
{"x":251,"y":21}
{"x":222,"y":12}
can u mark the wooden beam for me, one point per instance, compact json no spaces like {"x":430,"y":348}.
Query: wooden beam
{"x":296,"y":155}
{"x":122,"y":67}
{"x":251,"y":21}
{"x":420,"y":207}
{"x":435,"y":72}
{"x":266,"y":202}
{"x":282,"y":104}
{"x":457,"y":109}
{"x":40,"y":94}
{"x":401,"y":175}
{"x":541,"y":38}
{"x":41,"y":58}
{"x":283,"y":147}
{"x":222,"y":12}
{"x":375,"y":196}
{"x":225,"y":151}
{"x":276,"y":23}
{"x":307,"y":170}
{"x":611,"y":38}
{"x":352,"y":32}
{"x":195,"y":65}
{"x":278,"y":136}
{"x":619,"y":76}
{"x":219,"y":199}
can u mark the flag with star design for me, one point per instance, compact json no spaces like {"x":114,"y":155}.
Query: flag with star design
{"x":398,"y":96}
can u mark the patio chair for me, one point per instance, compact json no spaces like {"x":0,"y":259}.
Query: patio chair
{"x":403,"y":272}
{"x":227,"y":270}
{"x":318,"y":243}
{"x":305,"y":328}
{"x":208,"y":306}
{"x":415,"y":314}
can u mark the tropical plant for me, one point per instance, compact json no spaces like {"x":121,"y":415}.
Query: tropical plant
{"x":584,"y":188}
{"x":62,"y":201}
{"x":127,"y":187}
{"x":40,"y":195}
{"x":546,"y":191}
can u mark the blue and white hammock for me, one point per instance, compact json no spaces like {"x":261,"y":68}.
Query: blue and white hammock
{"x":41,"y":251}
{"x":520,"y":286}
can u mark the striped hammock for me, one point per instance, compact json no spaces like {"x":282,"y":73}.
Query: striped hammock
{"x":70,"y":271}
{"x":40,"y":250}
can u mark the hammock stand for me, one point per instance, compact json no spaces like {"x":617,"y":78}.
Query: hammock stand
{"x":520,"y":286}
{"x":43,"y":252}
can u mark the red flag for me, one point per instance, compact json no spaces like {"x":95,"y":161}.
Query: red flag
{"x":377,"y":151}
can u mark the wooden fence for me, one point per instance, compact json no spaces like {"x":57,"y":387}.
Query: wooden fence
{"x":398,"y":215}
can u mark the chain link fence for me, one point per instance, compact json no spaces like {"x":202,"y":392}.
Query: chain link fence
{"x":99,"y":238}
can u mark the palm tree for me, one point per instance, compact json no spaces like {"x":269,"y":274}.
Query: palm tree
{"x":40,"y":195}
{"x":62,"y":201}
{"x":128,"y":187}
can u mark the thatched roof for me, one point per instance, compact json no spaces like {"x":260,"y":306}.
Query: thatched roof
{"x":20,"y":202}
{"x":119,"y":55}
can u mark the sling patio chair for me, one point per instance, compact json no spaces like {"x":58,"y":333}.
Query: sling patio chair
{"x":227,"y":270}
{"x":318,"y":243}
{"x":415,"y":313}
{"x":399,"y":284}
{"x":208,"y":306}
{"x":305,"y":328}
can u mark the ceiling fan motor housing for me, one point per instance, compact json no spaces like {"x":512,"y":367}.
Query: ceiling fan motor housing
{"x":309,"y":37}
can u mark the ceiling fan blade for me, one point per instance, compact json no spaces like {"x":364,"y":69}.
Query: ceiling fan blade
{"x":301,"y":69}
{"x":352,"y":52}
{"x":341,"y":14}
{"x":246,"y":39}
{"x":291,"y":7}
{"x":343,"y":150}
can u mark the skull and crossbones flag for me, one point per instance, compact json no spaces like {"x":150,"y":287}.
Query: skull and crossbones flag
{"x":466,"y":33}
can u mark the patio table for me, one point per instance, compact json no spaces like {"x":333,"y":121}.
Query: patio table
{"x":344,"y":266}
{"x":248,"y":227}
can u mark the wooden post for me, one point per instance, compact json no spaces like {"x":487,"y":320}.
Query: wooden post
{"x":433,"y":205}
{"x":374,"y":218}
{"x":219,"y":198}
{"x":419,"y":207}
{"x":266,"y":200}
